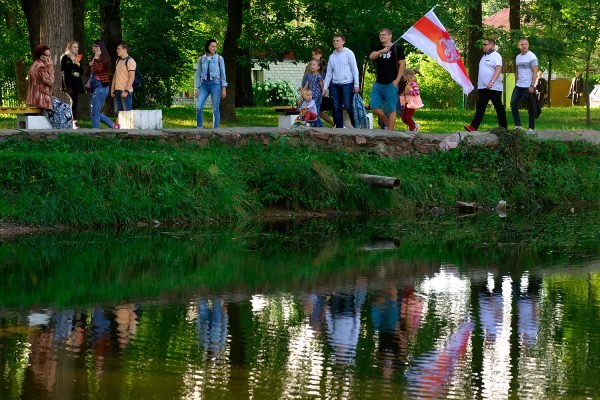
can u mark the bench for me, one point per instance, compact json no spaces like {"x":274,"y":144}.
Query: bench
{"x":289,"y":115}
{"x":28,"y":117}
{"x":141,"y":119}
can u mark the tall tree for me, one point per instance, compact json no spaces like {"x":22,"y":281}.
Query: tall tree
{"x":79,"y":22}
{"x":514,"y":17}
{"x":230,"y":54}
{"x":474,"y":49}
{"x":110,"y":25}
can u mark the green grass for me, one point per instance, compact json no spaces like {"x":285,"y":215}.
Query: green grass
{"x":431,"y":120}
{"x":88,"y":181}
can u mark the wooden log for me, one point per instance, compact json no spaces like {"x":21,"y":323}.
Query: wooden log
{"x":388,"y":182}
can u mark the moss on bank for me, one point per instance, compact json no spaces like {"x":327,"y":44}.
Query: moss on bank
{"x":87,"y":181}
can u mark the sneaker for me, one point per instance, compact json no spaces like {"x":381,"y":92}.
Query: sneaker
{"x":518,"y":127}
{"x":116,"y":126}
{"x":470,"y":128}
{"x":530,"y":130}
{"x":417,"y":127}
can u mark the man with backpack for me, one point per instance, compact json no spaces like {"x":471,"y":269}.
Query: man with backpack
{"x":124,"y":80}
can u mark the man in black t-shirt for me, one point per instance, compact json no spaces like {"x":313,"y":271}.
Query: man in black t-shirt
{"x":390,"y":64}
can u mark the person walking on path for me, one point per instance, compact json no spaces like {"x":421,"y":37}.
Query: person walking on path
{"x":326,"y":102}
{"x":342,"y":77}
{"x":210,"y":80}
{"x":526,"y":67}
{"x":390,"y":64}
{"x":489,"y":86}
{"x":122,"y":83}
{"x":70,"y":65}
{"x":100,"y":82}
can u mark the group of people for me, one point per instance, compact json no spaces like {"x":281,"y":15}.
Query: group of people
{"x":97,"y":75}
{"x":395,"y":88}
{"x":489,"y":86}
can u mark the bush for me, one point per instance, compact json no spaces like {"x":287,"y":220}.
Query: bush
{"x":269,"y":93}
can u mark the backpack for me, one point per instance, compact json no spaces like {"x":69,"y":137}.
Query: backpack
{"x":137,"y":81}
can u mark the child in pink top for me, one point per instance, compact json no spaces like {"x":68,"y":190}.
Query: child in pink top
{"x":412,"y":99}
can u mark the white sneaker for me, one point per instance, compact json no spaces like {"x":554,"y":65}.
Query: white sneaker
{"x":530,"y":130}
{"x":518,"y":127}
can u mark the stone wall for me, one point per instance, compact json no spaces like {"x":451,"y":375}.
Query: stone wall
{"x":379,"y":142}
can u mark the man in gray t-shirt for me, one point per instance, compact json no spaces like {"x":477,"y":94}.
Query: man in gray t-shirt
{"x":526,"y":67}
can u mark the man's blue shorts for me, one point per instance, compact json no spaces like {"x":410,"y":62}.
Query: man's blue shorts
{"x":384,"y":97}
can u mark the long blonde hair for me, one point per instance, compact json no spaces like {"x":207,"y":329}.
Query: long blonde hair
{"x":69,"y":45}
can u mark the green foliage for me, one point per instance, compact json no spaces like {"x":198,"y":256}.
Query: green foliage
{"x":280,"y":93}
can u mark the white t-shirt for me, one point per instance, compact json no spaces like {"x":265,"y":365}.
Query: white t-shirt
{"x":525,"y":62}
{"x":487,"y":68}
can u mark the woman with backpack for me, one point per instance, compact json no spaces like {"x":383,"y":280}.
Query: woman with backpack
{"x":210,"y":80}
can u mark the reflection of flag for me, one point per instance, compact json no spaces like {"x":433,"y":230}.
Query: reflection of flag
{"x":429,"y":35}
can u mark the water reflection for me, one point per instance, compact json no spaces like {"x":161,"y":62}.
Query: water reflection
{"x":388,"y":326}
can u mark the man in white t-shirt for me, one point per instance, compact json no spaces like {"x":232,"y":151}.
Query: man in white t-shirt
{"x":489,"y":86}
{"x":526,"y":67}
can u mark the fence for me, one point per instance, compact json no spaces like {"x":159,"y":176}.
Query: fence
{"x":8,"y":94}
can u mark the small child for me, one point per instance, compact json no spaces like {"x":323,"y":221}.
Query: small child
{"x":308,"y":108}
{"x":413,"y":100}
{"x":313,"y":81}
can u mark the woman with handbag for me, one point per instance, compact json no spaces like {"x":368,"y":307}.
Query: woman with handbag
{"x":70,"y":65}
{"x":100,"y":84}
{"x":412,"y":100}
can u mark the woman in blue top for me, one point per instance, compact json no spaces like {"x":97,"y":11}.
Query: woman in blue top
{"x":210,"y":80}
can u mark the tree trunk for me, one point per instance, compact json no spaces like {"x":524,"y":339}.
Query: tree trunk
{"x":32,"y":11}
{"x":79,"y":23}
{"x":235,"y":10}
{"x":474,"y":54}
{"x":514,"y":17}
{"x":110,"y":26}
{"x":56,"y":31}
{"x":21,"y":75}
{"x":243,"y":84}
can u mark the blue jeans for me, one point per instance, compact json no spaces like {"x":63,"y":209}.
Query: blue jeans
{"x":212,"y":88}
{"x":517,"y":93}
{"x":123,"y":103}
{"x":342,"y":99}
{"x":99,"y":94}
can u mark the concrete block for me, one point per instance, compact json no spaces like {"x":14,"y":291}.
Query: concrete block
{"x":286,"y":121}
{"x":33,"y":122}
{"x":141,"y":119}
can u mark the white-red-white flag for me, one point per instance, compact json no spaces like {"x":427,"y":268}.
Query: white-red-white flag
{"x":429,"y":35}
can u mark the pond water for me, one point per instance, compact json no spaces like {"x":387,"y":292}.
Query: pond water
{"x":475,"y":307}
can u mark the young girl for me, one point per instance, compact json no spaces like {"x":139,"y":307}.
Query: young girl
{"x":412,"y":100}
{"x":308,"y":109}
{"x":313,"y":81}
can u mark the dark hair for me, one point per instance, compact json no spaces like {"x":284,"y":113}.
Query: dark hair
{"x":340,"y":36}
{"x":317,"y":50}
{"x":104,"y":57}
{"x":208,"y":43}
{"x":492,"y":41}
{"x":124,"y":46}
{"x":39,"y":51}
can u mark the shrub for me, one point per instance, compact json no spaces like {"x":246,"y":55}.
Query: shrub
{"x":269,"y":93}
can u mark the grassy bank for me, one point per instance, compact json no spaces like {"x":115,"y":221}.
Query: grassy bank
{"x":431,"y":120}
{"x":86,"y":181}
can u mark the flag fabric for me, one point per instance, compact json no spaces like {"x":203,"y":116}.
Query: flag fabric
{"x":429,"y":35}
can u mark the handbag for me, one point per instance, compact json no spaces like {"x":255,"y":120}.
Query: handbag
{"x":88,"y":83}
{"x":413,"y":101}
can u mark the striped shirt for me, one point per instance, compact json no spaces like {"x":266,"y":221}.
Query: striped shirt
{"x":100,"y":72}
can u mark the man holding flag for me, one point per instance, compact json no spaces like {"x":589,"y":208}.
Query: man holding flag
{"x":390,"y":64}
{"x":489,"y":86}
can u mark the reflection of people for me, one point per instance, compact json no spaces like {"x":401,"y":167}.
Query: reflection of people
{"x":39,"y":93}
{"x":489,"y":86}
{"x":526,"y":67}
{"x":213,"y":323}
{"x":127,"y":320}
{"x":576,"y":89}
{"x":210,"y":80}
{"x":70,"y":65}
{"x":541,"y":87}
{"x":342,"y":78}
{"x":390,"y":63}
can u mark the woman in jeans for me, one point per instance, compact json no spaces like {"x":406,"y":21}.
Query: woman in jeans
{"x":100,"y":84}
{"x":210,"y":80}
